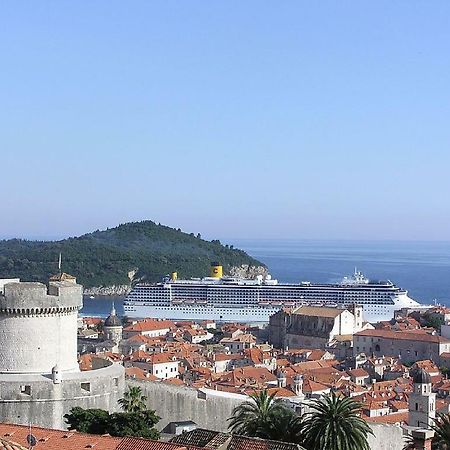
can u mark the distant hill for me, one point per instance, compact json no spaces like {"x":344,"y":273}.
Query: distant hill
{"x":118,"y":256}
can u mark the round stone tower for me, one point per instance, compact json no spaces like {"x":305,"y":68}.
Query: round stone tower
{"x":40,"y":379}
{"x":112,"y":329}
{"x":38,"y":327}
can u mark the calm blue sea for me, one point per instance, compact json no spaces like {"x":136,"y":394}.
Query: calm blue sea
{"x":421,"y":267}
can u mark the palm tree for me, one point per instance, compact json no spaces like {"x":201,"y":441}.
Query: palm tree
{"x":265,"y":417}
{"x":133,"y":401}
{"x":441,"y":427}
{"x":334,"y":424}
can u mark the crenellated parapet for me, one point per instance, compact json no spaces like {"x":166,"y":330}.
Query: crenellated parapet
{"x":62,"y":296}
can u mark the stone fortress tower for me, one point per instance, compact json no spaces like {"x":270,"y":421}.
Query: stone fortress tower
{"x":38,"y":329}
{"x":40,"y":379}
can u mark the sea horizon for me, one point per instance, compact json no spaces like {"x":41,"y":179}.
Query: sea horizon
{"x":420,"y":267}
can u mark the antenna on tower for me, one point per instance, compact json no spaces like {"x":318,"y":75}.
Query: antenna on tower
{"x":59,"y":265}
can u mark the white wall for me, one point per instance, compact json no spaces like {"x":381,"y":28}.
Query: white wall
{"x":165,"y":370}
{"x":35,"y":344}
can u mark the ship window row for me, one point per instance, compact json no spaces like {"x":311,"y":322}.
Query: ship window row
{"x":267,"y":294}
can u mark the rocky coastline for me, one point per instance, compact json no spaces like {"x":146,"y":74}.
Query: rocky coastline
{"x":247,"y":271}
{"x":244,"y":271}
{"x":114,"y":290}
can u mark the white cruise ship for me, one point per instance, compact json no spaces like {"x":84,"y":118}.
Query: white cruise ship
{"x":230,"y":299}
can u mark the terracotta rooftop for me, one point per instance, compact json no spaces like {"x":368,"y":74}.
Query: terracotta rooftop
{"x":225,"y":357}
{"x":318,"y":311}
{"x":316,"y":355}
{"x":8,"y":445}
{"x":150,"y":325}
{"x":357,"y":373}
{"x":132,"y":443}
{"x":213,"y":440}
{"x":201,"y":438}
{"x":140,"y":374}
{"x":56,"y":439}
{"x":62,"y":277}
{"x":48,"y":439}
{"x":401,"y":417}
{"x":247,"y":443}
{"x":403,"y":335}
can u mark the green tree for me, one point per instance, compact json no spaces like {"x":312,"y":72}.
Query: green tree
{"x":265,"y":417}
{"x":441,"y":427}
{"x":93,"y":421}
{"x":133,"y":400}
{"x":334,"y":424}
{"x":434,"y":322}
{"x":98,"y":421}
{"x":138,"y":424}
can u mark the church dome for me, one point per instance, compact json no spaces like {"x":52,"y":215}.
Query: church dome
{"x":113,"y":321}
{"x":420,"y":376}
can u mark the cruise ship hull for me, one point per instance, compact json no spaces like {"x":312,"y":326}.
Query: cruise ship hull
{"x":228,"y":299}
{"x":371,"y":313}
{"x":247,"y":315}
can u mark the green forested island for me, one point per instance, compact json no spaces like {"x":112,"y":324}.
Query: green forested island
{"x":117,"y":256}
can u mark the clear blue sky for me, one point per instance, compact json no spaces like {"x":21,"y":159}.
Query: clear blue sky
{"x":235,"y":119}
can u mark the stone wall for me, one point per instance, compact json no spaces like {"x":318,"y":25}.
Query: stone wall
{"x":208,"y":409}
{"x":33,"y":398}
{"x":211,"y":409}
{"x":386,"y":437}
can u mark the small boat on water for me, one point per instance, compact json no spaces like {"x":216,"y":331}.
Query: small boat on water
{"x":91,"y":297}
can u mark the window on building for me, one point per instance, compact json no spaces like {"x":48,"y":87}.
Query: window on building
{"x":86,"y":387}
{"x":25,"y":389}
{"x":417,"y":407}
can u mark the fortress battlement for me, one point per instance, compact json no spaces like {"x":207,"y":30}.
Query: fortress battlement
{"x":29,"y":298}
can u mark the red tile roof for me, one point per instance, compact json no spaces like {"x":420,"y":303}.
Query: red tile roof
{"x":150,"y":325}
{"x":56,"y":439}
{"x":403,"y":335}
{"x":48,"y":439}
{"x":8,"y":445}
{"x":357,"y":373}
{"x":140,"y":374}
{"x":132,"y":443}
{"x":401,"y":417}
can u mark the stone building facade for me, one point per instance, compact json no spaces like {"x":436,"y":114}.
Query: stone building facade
{"x":409,"y":347}
{"x":312,"y":327}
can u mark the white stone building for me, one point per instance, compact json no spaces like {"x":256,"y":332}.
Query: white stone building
{"x":163,"y":366}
